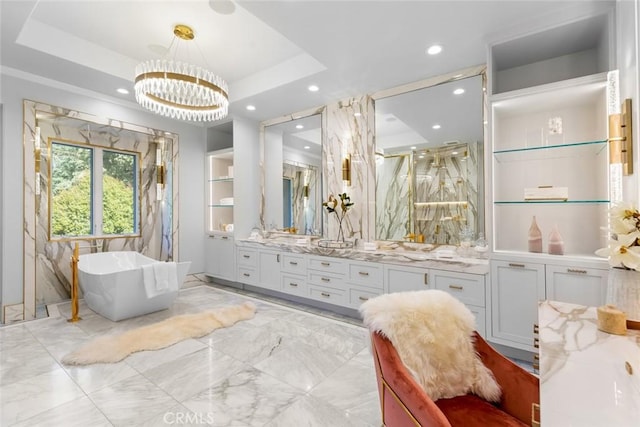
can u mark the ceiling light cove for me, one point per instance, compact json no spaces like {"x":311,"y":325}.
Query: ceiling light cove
{"x":434,"y":50}
{"x":251,"y":107}
{"x":313,"y":88}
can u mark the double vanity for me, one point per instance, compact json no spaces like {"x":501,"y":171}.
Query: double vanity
{"x":297,"y":268}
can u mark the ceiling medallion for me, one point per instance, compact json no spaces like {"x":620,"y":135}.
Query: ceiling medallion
{"x":180,"y":90}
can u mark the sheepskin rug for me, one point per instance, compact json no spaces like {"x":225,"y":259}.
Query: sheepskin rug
{"x":114,"y":348}
{"x":432,"y":333}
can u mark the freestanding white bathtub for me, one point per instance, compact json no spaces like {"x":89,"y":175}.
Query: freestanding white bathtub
{"x":113,"y":286}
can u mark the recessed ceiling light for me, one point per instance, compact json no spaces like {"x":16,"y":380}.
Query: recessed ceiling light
{"x":434,"y":50}
{"x":313,"y":88}
{"x":306,"y":147}
{"x":458,"y":91}
{"x":357,"y":114}
{"x":299,"y":126}
{"x":413,"y":147}
{"x":251,"y":107}
{"x":435,"y":127}
{"x":122,"y":91}
{"x":453,"y":153}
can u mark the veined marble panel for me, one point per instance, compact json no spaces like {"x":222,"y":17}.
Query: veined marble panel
{"x":350,"y":133}
{"x":393,"y":197}
{"x":47,"y":271}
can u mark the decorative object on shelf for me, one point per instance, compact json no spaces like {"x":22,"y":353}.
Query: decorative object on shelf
{"x":535,"y":237}
{"x":180,"y":90}
{"x":623,"y":251}
{"x":481,"y":246}
{"x":340,"y":208}
{"x":556,"y":244}
{"x":546,"y":192}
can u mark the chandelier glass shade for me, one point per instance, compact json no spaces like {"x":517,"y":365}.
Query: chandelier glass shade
{"x":180,"y":90}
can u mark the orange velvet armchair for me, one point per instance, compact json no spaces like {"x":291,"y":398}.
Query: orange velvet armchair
{"x":404,"y":403}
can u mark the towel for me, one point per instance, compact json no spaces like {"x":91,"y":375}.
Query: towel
{"x":160,"y":278}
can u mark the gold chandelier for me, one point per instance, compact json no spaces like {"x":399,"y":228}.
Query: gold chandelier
{"x":180,"y":90}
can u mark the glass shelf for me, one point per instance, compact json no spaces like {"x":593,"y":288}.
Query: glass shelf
{"x":221,"y":180}
{"x":220,"y":206}
{"x":529,"y":202}
{"x":601,"y":143}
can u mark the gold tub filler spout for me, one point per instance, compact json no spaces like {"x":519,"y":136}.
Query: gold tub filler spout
{"x":75,"y":258}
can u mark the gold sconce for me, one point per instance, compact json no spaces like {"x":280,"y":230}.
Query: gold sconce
{"x":37,"y":153}
{"x":305,"y":191}
{"x":346,"y":170}
{"x":620,"y":138}
{"x":160,"y":171}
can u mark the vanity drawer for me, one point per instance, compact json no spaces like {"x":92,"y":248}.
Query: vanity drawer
{"x":295,"y":285}
{"x":325,"y":279}
{"x":367,"y":274}
{"x":468,"y":288}
{"x":247,"y":275}
{"x":332,"y":265}
{"x":247,"y":257}
{"x":329,"y":295}
{"x":294,"y":264}
{"x":358,"y":296}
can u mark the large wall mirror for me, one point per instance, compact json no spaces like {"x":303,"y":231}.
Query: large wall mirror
{"x":429,"y":160}
{"x":292,"y":168}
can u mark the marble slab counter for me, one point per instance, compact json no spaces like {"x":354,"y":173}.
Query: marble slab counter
{"x":443,"y":258}
{"x":587,"y":377}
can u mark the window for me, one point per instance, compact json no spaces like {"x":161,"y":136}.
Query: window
{"x":93,"y":191}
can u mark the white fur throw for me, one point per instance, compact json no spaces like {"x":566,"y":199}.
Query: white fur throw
{"x":432,"y":333}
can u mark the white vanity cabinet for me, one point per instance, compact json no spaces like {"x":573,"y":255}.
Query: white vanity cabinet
{"x":269,"y":269}
{"x":516,"y":288}
{"x":365,"y":280}
{"x":247,"y":266}
{"x":468,"y":288}
{"x":220,"y":257}
{"x":576,"y":284}
{"x":326,"y":279}
{"x":399,"y":278}
{"x":294,"y":274}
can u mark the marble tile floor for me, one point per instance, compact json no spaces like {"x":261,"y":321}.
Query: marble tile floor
{"x":284,"y":367}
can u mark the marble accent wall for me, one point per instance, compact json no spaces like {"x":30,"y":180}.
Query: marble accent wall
{"x":393,"y":197}
{"x":47,"y":271}
{"x":350,"y":131}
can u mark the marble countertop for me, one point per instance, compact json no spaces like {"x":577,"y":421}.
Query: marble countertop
{"x":401,"y":253}
{"x":587,"y":377}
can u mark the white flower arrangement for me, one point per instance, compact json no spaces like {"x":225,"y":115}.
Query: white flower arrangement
{"x":623,"y":250}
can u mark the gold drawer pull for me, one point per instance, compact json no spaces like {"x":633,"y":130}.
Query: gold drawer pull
{"x":575,"y":270}
{"x":324,"y":279}
{"x":326,"y":295}
{"x":535,"y":415}
{"x":536,"y":328}
{"x":456,"y":287}
{"x":246,"y":274}
{"x":536,"y":357}
{"x":536,"y":343}
{"x":326,"y":264}
{"x":293,"y":263}
{"x":513,"y":264}
{"x":628,"y":367}
{"x":246,"y":256}
{"x":225,"y":237}
{"x":363,"y":298}
{"x":295,"y":285}
{"x":536,"y":366}
{"x":426,"y":279}
{"x":363,"y":273}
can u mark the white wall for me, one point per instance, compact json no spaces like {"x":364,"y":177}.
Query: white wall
{"x":15,"y":88}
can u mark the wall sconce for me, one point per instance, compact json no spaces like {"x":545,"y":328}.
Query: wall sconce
{"x":346,"y":169}
{"x":620,"y":138}
{"x":160,"y":171}
{"x":37,"y":154}
{"x":305,"y":191}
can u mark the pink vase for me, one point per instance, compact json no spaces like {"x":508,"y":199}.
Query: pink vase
{"x":556,"y":245}
{"x":535,"y":237}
